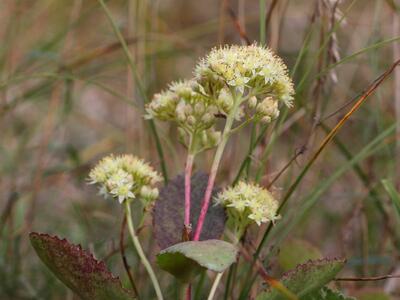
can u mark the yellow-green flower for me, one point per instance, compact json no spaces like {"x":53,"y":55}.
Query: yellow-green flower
{"x":247,"y":203}
{"x":186,"y":104}
{"x":253,"y":66}
{"x":254,"y":72}
{"x":125,"y":177}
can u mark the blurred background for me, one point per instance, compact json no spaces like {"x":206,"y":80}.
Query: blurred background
{"x":69,"y":96}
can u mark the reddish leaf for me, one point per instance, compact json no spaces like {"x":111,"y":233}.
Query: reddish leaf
{"x":169,"y":211}
{"x":78,"y":269}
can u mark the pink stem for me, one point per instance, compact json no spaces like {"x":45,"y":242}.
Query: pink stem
{"x":188,"y":175}
{"x":189,"y":292}
{"x":210,"y":185}
{"x":214,"y":168}
{"x":204,"y":208}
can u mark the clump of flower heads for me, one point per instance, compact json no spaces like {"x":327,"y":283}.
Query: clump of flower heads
{"x":185,"y":104}
{"x":248,"y":203}
{"x":125,"y":178}
{"x":231,"y":82}
{"x":253,"y":71}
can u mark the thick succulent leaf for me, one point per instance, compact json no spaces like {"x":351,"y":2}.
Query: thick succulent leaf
{"x":296,"y":251}
{"x":306,"y":278}
{"x":186,"y":260}
{"x":327,"y":294}
{"x":169,"y":211}
{"x":78,"y":269}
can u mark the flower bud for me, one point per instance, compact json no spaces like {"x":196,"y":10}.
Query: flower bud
{"x":188,"y":109}
{"x":252,"y":102}
{"x":191,"y":120}
{"x":266,"y":120}
{"x":148,"y":193}
{"x":214,"y":137}
{"x":199,"y":108}
{"x":207,"y":118}
{"x":225,"y":101}
{"x":204,"y":138}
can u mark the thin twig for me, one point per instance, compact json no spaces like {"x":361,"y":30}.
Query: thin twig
{"x":396,"y":53}
{"x":299,"y":152}
{"x":124,"y":260}
{"x":375,"y":278}
{"x":269,"y":14}
{"x":239,"y":28}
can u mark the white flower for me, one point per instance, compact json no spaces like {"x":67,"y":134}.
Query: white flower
{"x":250,"y":202}
{"x":253,"y":67}
{"x":125,"y":177}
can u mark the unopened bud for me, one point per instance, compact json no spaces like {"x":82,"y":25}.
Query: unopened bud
{"x":252,"y":102}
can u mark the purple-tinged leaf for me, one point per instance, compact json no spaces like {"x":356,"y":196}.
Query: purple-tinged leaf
{"x":78,"y":269}
{"x":169,"y":211}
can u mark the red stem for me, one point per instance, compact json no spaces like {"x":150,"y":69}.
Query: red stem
{"x":214,"y":167}
{"x":188,"y":175}
{"x":189,"y":292}
{"x":204,"y":208}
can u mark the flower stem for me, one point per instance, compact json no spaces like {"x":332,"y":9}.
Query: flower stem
{"x":188,"y":175}
{"x":214,"y":286}
{"x":140,"y":252}
{"x":215,"y":165}
{"x":236,"y":238}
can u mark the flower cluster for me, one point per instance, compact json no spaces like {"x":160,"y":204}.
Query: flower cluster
{"x":247,"y":203}
{"x":186,"y":104}
{"x":252,"y":71}
{"x":125,"y":177}
{"x":252,"y":67}
{"x":239,"y":81}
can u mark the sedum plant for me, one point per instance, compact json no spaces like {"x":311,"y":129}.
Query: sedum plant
{"x":232,"y":87}
{"x":127,"y":178}
{"x":242,"y":83}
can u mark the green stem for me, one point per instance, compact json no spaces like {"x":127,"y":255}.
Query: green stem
{"x":214,"y":286}
{"x":237,"y":236}
{"x":140,"y":252}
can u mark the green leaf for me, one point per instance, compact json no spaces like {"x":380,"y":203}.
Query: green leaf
{"x":306,"y":278}
{"x":394,"y":195}
{"x":78,"y":269}
{"x":186,"y":260}
{"x":326,"y":294}
{"x":295,"y":251}
{"x":169,"y":211}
